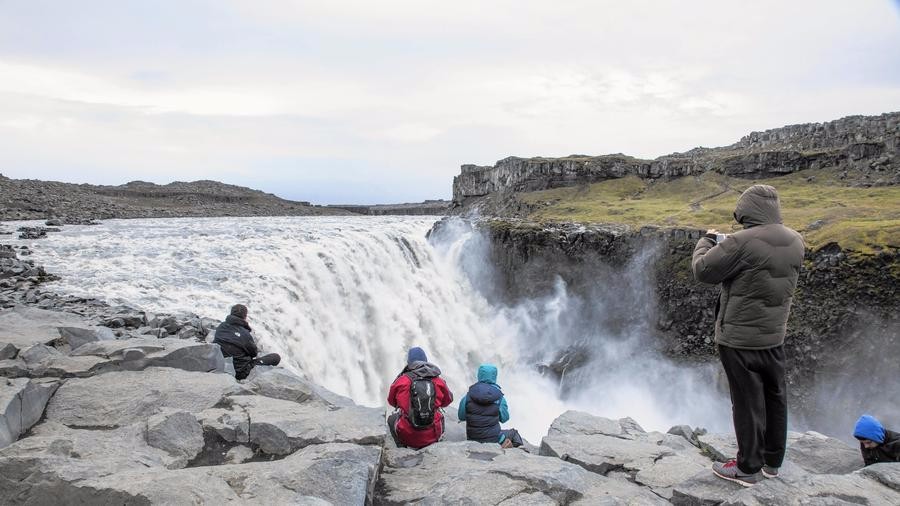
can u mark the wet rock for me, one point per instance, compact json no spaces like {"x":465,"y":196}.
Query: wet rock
{"x":22,"y":403}
{"x":54,"y":222}
{"x":121,"y":398}
{"x":475,"y":473}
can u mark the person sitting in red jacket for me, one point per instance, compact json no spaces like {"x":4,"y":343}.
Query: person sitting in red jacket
{"x":418,"y":393}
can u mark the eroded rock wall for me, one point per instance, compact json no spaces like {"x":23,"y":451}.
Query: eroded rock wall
{"x":866,"y":144}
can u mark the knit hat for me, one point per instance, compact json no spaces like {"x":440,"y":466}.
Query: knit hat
{"x":416,"y":354}
{"x":239,"y":310}
{"x":867,"y":427}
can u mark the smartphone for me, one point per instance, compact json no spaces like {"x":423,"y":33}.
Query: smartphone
{"x":720,"y":237}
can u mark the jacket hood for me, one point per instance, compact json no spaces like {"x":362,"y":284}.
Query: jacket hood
{"x":484,"y":393}
{"x":758,"y":205}
{"x":235,"y":320}
{"x":420,"y":369}
{"x":867,"y":427}
{"x":487,"y":373}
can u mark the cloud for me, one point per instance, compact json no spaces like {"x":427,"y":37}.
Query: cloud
{"x":400,"y":93}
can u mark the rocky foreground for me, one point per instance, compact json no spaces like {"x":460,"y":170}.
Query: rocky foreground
{"x":115,"y":406}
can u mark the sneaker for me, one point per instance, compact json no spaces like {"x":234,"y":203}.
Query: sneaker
{"x":729,"y":471}
{"x":770,"y":472}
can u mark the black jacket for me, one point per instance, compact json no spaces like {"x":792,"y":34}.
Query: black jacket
{"x":483,"y":413}
{"x":888,"y":451}
{"x":233,"y":336}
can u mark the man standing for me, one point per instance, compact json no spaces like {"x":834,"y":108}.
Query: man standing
{"x":758,"y":268}
{"x":233,"y":336}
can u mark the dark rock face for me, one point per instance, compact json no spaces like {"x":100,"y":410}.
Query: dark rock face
{"x":866,"y":144}
{"x":74,"y":204}
{"x":845,"y":317}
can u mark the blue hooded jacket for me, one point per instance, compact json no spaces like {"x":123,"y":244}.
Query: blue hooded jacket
{"x":484,"y":407}
{"x":867,"y":427}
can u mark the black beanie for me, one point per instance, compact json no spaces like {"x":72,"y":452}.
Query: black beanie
{"x":239,"y":310}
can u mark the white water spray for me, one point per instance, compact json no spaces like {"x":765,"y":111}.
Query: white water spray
{"x":343,"y":298}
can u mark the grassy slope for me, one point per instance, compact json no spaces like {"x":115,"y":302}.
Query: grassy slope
{"x":862,"y":219}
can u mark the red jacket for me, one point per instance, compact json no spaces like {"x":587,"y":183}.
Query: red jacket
{"x":398,"y":397}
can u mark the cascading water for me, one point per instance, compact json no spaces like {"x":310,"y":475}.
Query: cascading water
{"x":343,"y":298}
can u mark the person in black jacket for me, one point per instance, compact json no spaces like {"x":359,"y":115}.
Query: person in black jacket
{"x":876,"y":443}
{"x":233,"y":336}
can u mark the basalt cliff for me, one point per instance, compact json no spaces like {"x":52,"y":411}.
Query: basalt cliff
{"x":863,"y":147}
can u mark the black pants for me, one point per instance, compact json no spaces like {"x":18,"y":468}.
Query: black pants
{"x":270,"y":359}
{"x":758,"y":405}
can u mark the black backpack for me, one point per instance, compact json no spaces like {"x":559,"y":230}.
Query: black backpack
{"x":421,"y":403}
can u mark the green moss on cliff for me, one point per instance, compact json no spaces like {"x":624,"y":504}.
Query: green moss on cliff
{"x":814,"y":202}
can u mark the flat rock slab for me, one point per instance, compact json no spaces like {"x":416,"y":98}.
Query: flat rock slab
{"x":139,"y":353}
{"x":475,"y":473}
{"x":33,"y":469}
{"x":22,"y":403}
{"x":279,"y":427}
{"x":122,"y":398}
{"x":279,"y":383}
{"x":601,"y":445}
{"x":825,"y":489}
{"x":820,"y":454}
{"x":323,"y":474}
{"x":703,"y":489}
{"x":24,"y":326}
{"x":888,"y":474}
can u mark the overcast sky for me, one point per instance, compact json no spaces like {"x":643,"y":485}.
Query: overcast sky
{"x":381,"y":101}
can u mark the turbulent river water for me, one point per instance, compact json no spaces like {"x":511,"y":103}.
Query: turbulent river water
{"x":343,"y":298}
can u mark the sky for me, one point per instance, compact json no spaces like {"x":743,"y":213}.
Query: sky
{"x":382,"y":101}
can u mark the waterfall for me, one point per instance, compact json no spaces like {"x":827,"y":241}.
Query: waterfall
{"x":343,"y":298}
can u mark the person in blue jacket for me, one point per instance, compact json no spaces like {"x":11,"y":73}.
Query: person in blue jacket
{"x":484,"y":408}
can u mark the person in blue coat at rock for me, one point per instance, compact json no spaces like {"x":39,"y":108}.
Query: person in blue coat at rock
{"x":876,"y":443}
{"x":484,"y":408}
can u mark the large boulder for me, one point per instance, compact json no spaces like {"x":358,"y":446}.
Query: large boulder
{"x":121,"y":398}
{"x":317,"y":475}
{"x":24,"y":326}
{"x":37,"y":469}
{"x":820,"y":454}
{"x":279,"y":427}
{"x":475,"y":473}
{"x":602,"y":446}
{"x":22,"y":403}
{"x":280,"y":383}
{"x":177,"y":433}
{"x":140,"y":353}
{"x":856,"y":488}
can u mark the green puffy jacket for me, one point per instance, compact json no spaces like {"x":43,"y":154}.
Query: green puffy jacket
{"x":758,"y":268}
